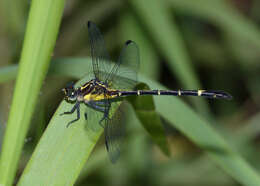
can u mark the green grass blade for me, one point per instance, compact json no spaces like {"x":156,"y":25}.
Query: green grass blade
{"x":41,"y":32}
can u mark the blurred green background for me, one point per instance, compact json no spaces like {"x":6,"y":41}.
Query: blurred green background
{"x":183,"y":45}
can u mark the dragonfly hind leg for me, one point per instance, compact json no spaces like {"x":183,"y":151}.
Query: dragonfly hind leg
{"x":99,"y":106}
{"x":102,"y":119}
{"x":106,"y":116}
{"x":102,"y":107}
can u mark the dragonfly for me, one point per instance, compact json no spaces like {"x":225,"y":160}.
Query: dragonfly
{"x":113,"y":81}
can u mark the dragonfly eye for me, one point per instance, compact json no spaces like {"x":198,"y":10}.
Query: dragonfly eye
{"x":70,"y":92}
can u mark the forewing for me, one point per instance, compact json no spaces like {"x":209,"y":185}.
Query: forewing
{"x":114,"y":133}
{"x":124,"y":73}
{"x":100,"y":56}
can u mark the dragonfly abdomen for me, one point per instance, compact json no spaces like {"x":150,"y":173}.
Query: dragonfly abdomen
{"x":203,"y":93}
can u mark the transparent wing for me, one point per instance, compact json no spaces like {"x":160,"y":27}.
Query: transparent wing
{"x":114,"y":133}
{"x":123,"y":75}
{"x":100,"y":56}
{"x":93,"y":117}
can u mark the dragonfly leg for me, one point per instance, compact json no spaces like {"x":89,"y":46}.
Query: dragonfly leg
{"x":76,"y":107}
{"x":72,"y":110}
{"x":104,"y":117}
{"x":101,"y":121}
{"x":100,"y":106}
{"x":100,"y":103}
{"x":97,"y":106}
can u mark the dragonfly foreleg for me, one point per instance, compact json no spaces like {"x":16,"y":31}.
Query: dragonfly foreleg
{"x":78,"y":117}
{"x":72,"y":110}
{"x":76,"y":107}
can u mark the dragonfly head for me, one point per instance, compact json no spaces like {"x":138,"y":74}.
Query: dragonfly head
{"x":70,"y":92}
